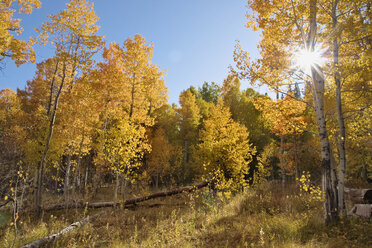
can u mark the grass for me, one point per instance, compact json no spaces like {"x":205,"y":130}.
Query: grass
{"x":4,"y":219}
{"x":266,"y":217}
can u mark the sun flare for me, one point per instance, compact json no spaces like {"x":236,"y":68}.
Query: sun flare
{"x":305,"y":59}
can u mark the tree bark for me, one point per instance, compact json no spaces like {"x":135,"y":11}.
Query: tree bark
{"x":124,"y":188}
{"x":77,"y":176}
{"x":157,"y":181}
{"x":77,"y":171}
{"x":117,"y":184}
{"x":40,"y":170}
{"x":51,"y":89}
{"x":328,"y":185}
{"x":297,"y":172}
{"x":51,"y":238}
{"x":281,"y":151}
{"x":340,"y":118}
{"x":184,"y":162}
{"x":66,"y":186}
{"x":86,"y":179}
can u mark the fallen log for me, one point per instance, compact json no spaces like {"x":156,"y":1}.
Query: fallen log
{"x":359,"y":196}
{"x":81,"y":204}
{"x":51,"y":238}
{"x":363,"y":210}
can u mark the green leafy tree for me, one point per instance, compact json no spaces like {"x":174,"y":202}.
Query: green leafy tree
{"x":210,"y":92}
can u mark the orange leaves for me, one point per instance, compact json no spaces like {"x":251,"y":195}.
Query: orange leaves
{"x":159,"y":160}
{"x":12,"y":128}
{"x":137,"y":85}
{"x":284,"y":116}
{"x":128,"y":88}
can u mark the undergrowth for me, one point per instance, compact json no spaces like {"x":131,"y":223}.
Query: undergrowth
{"x":269,"y":216}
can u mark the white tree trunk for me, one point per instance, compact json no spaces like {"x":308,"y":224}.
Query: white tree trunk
{"x":340,"y":118}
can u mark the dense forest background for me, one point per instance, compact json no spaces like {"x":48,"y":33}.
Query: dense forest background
{"x":81,"y":125}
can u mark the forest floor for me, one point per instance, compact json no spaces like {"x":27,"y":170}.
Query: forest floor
{"x":266,"y":217}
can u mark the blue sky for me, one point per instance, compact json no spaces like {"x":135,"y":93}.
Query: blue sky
{"x":193,"y":39}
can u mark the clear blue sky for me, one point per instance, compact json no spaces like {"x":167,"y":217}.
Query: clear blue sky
{"x":194,"y":39}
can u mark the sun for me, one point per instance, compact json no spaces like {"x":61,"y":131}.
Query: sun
{"x":305,"y":59}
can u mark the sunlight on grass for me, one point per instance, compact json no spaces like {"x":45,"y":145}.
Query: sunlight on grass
{"x":267,"y":216}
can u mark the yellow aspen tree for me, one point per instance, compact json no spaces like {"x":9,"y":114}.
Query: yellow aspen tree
{"x":12,"y":136}
{"x":121,"y":147}
{"x":189,"y":114}
{"x":167,"y":119}
{"x":285,"y":118}
{"x":159,"y":159}
{"x":37,"y":100}
{"x":231,"y":94}
{"x":131,"y":86}
{"x":141,"y":81}
{"x":73,"y":33}
{"x":291,"y":27}
{"x":18,"y":50}
{"x":224,"y":150}
{"x":79,"y":118}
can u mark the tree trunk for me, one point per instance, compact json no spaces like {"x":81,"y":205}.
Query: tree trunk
{"x":364,"y":173}
{"x":56,"y":181}
{"x":281,"y":151}
{"x":123,"y":188}
{"x":184,"y":162}
{"x":40,"y":170}
{"x":117,"y":185}
{"x":340,"y":118}
{"x":297,"y":173}
{"x":86,"y":179}
{"x":51,"y":238}
{"x":157,"y":181}
{"x":77,"y":176}
{"x":77,"y":171}
{"x":66,"y":187}
{"x":328,"y":185}
{"x":52,"y":88}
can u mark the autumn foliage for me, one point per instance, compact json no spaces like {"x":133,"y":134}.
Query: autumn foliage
{"x":96,"y":115}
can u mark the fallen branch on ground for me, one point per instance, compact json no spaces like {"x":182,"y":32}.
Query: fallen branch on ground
{"x":46,"y":240}
{"x":81,"y":204}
